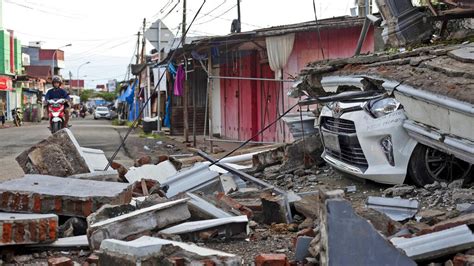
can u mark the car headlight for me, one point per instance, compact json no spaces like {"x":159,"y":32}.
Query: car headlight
{"x":384,"y":106}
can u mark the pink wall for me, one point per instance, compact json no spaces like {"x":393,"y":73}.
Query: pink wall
{"x":248,"y":106}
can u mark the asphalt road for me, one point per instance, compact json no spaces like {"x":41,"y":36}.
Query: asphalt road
{"x":97,"y":134}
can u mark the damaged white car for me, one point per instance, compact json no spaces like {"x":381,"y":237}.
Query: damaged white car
{"x":364,"y":135}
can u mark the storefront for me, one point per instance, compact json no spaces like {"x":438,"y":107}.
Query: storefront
{"x":6,"y":94}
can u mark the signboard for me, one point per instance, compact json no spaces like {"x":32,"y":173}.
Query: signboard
{"x":111,"y":85}
{"x":6,"y":84}
{"x":159,"y":36}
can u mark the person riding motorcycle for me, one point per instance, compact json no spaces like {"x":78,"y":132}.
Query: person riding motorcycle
{"x":58,"y":93}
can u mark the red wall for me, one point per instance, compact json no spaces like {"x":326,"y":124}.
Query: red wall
{"x":47,"y":54}
{"x":248,"y":106}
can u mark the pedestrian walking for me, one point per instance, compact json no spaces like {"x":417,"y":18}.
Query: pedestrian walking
{"x":2,"y":112}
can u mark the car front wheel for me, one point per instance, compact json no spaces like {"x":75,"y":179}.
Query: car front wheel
{"x":428,"y":165}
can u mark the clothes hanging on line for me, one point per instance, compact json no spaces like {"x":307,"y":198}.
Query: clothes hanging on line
{"x":179,"y":82}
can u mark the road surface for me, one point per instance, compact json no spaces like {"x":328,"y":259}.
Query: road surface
{"x":97,"y":134}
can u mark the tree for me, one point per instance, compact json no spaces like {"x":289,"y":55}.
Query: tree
{"x":108,"y":96}
{"x":86,"y":94}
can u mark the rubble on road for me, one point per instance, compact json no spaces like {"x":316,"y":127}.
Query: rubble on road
{"x":347,"y":239}
{"x":148,"y":250}
{"x":21,"y":229}
{"x":287,"y":208}
{"x":61,"y":155}
{"x":136,"y":222}
{"x":159,"y":172}
{"x":62,"y":196}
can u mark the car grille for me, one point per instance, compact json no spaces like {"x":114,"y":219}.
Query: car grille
{"x":337,"y":125}
{"x":351,"y":151}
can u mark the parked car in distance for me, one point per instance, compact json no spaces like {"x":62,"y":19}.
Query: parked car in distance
{"x":102,"y":112}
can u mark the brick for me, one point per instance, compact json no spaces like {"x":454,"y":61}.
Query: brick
{"x":306,"y":232}
{"x":271,"y":260}
{"x":18,"y":229}
{"x":62,"y":196}
{"x":93,"y":258}
{"x":223,"y":199}
{"x":61,"y":261}
{"x":177,"y":261}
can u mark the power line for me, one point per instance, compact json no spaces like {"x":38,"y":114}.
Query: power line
{"x":155,"y":89}
{"x":40,"y":10}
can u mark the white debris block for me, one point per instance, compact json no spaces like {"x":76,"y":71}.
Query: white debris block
{"x":436,"y":244}
{"x":206,"y":224}
{"x":159,"y":172}
{"x":95,"y":159}
{"x":145,"y":249}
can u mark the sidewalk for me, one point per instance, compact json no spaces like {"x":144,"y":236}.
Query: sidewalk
{"x":9,"y":124}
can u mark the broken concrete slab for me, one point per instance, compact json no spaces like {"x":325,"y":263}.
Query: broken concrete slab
{"x":380,"y":221}
{"x":62,"y":196}
{"x":202,"y":209}
{"x":188,"y":179}
{"x":396,"y":209}
{"x":228,"y":183}
{"x":226,"y":202}
{"x":303,"y":152}
{"x":109,"y":176}
{"x":146,"y":250}
{"x":58,"y":155}
{"x":95,"y":159}
{"x":66,"y":242}
{"x":288,"y":197}
{"x":437,"y":244}
{"x":302,"y":246}
{"x":20,"y":229}
{"x":348,"y":239}
{"x":308,"y":206}
{"x":160,"y":172}
{"x":139,"y":221}
{"x":274,"y":208}
{"x":223,"y":227}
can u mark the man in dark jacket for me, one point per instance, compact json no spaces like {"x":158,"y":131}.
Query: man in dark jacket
{"x":58,"y":93}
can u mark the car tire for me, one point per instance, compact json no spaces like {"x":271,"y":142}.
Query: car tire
{"x":428,"y":165}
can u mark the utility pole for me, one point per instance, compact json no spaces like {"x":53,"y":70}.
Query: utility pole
{"x":185,"y":100}
{"x":238,"y":16}
{"x":134,"y":107}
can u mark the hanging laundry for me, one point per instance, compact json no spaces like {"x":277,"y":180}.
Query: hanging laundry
{"x":179,"y":82}
{"x":172,"y":70}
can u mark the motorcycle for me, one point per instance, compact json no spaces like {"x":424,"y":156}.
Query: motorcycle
{"x":82,"y":114}
{"x":56,"y":114}
{"x":17,"y":115}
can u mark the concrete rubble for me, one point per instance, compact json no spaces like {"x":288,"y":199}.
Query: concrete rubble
{"x":279,"y":210}
{"x":122,"y":226}
{"x":21,"y":229}
{"x":62,"y":196}
{"x":148,"y":250}
{"x":61,"y":155}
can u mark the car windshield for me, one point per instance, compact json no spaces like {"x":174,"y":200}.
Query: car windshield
{"x":102,"y":109}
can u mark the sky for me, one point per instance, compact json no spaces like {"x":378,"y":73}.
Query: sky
{"x":103,"y":32}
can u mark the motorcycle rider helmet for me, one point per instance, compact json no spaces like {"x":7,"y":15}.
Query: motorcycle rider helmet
{"x":57,"y":79}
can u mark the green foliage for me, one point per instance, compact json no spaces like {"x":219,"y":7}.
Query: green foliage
{"x":86,"y":94}
{"x":108,"y":96}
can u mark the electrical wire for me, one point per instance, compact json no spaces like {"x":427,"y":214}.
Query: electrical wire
{"x":155,"y":89}
{"x":41,"y":10}
{"x":317,"y":28}
{"x":256,"y":135}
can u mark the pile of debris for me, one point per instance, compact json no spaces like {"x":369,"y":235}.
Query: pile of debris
{"x":215,"y":213}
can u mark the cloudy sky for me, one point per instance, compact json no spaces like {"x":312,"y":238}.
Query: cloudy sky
{"x":104,"y":31}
